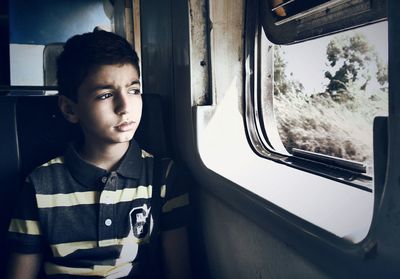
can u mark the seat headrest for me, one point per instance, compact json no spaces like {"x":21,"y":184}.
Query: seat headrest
{"x":50,"y":54}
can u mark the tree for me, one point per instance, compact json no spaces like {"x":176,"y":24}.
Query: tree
{"x":349,"y":58}
{"x":381,"y":73}
{"x":280,"y":79}
{"x":283,"y":84}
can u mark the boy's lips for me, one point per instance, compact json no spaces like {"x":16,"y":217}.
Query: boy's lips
{"x":125,"y":126}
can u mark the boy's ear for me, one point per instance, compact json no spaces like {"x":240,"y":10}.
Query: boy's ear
{"x":68,"y":109}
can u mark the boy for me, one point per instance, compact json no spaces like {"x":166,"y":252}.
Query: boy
{"x":89,"y":213}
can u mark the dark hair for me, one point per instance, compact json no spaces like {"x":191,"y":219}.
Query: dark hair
{"x":83,"y":53}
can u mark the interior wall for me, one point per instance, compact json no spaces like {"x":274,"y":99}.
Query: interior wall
{"x":237,"y":248}
{"x":156,"y":43}
{"x":157,"y":55}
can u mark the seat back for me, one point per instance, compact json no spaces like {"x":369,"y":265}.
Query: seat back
{"x":50,"y":54}
{"x":33,"y":131}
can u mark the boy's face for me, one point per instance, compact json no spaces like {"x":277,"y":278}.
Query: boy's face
{"x":109,"y":105}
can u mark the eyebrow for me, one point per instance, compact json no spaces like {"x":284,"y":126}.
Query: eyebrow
{"x":136,"y":81}
{"x":109,"y":86}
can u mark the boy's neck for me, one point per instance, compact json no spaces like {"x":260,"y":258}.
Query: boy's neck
{"x":105,"y":156}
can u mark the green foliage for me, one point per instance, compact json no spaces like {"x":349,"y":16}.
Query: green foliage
{"x":382,"y":73}
{"x":351,"y":59}
{"x":282,"y":83}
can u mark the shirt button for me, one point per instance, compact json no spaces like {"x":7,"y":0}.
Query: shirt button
{"x":104,"y":179}
{"x":108,"y":222}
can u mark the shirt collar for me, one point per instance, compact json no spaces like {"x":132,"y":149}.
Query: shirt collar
{"x":91,"y":175}
{"x":131,"y":164}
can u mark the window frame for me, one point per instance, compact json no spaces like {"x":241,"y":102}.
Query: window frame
{"x":330,"y":17}
{"x":264,"y":139}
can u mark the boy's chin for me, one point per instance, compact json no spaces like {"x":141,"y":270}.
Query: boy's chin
{"x":124,"y":139}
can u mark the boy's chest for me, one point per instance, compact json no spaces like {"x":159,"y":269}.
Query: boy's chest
{"x":117,"y":210}
{"x":129,"y":205}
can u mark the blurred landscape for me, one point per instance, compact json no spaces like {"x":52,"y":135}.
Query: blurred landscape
{"x":336,"y":120}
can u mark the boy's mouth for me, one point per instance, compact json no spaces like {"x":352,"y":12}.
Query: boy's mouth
{"x":125,"y":126}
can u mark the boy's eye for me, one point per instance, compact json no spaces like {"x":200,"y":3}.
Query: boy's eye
{"x":135,"y":91}
{"x":104,"y":96}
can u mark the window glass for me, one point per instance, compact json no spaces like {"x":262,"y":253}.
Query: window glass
{"x":327,"y":92}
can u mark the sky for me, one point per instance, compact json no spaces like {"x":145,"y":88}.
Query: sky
{"x":313,"y":54}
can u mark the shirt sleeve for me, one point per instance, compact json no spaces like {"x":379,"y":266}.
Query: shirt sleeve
{"x":24,"y":232}
{"x":175,"y":196}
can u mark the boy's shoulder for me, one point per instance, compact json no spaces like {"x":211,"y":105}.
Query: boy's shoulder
{"x":45,"y":176}
{"x":55,"y":163}
{"x":166,"y":163}
{"x":57,"y":160}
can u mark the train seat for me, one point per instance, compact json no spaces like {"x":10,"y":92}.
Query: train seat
{"x":50,"y":54}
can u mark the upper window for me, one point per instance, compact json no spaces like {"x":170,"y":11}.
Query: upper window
{"x":326,"y":94}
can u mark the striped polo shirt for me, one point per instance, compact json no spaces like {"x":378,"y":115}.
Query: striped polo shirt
{"x":87,"y":221}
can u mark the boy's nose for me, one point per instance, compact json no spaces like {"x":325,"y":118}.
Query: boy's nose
{"x":122,"y":104}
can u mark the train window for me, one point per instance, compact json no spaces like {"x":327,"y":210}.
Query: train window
{"x":321,"y":80}
{"x":263,"y":141}
{"x":325,"y":94}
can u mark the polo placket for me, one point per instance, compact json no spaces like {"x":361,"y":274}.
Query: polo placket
{"x":107,"y":223}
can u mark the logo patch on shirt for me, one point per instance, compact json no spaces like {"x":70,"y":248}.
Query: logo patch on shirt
{"x":140,"y":219}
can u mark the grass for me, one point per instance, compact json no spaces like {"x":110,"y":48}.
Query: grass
{"x":318,"y":123}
